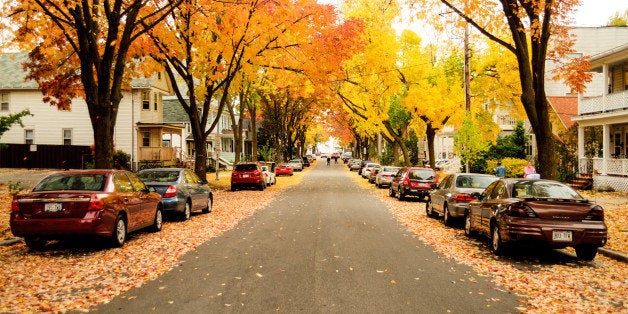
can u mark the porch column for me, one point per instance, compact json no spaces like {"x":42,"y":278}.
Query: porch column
{"x":582,"y":165}
{"x":606,"y":146}
{"x":606,"y":86}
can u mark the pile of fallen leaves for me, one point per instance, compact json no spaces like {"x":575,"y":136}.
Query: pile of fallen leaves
{"x":77,"y":276}
{"x":546,"y":283}
{"x":615,"y":206}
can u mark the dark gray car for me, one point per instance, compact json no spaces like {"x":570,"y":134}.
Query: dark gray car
{"x":182,"y":191}
{"x":453,"y":194}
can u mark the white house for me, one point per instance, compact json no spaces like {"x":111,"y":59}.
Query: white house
{"x":139,"y":126}
{"x":608,"y":111}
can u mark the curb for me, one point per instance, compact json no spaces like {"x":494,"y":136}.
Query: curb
{"x":614,"y":255}
{"x":10,"y":241}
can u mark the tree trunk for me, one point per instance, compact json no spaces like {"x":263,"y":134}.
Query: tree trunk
{"x":430,"y":133}
{"x":103,"y":127}
{"x":200,"y":159}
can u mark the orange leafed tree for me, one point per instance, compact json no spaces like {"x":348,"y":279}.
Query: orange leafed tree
{"x":81,"y":49}
{"x":524,"y":28}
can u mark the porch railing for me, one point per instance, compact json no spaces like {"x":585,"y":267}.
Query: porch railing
{"x":614,"y":166}
{"x":157,"y":153}
{"x":606,"y":103}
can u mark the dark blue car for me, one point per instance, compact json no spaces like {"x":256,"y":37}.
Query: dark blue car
{"x":182,"y":191}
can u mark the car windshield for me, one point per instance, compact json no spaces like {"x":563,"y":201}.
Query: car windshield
{"x":421,"y":174}
{"x":391,"y":169}
{"x":81,"y":182}
{"x":246,"y":167}
{"x":295,"y":161}
{"x":475,"y":182}
{"x":283,"y":165}
{"x":158,"y":176}
{"x":543,"y":189}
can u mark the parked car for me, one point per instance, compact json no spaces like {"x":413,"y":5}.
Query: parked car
{"x":270,"y":176}
{"x":366,"y":171}
{"x":297,"y":164}
{"x":385,"y":175}
{"x":181,"y":190}
{"x":284,"y":169}
{"x":512,"y":211}
{"x":248,"y":174}
{"x":71,"y":204}
{"x":415,"y":181}
{"x":354,"y":164}
{"x":363,"y":164}
{"x":453,"y":194}
{"x":373,"y":173}
{"x":305,"y":161}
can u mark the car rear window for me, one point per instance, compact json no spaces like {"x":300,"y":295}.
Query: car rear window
{"x":475,"y":182}
{"x":80,"y":182}
{"x":422,"y":174}
{"x":543,"y":189}
{"x":158,"y":176}
{"x":246,"y":167}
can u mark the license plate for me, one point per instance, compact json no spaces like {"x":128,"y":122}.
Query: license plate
{"x":52,"y":207}
{"x":562,"y":236}
{"x":245,"y":175}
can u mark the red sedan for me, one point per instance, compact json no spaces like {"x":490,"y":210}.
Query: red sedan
{"x":284,"y":169}
{"x":106,"y":203}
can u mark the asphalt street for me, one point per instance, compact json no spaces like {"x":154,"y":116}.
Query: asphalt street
{"x":324,"y":246}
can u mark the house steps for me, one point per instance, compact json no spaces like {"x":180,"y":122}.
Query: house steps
{"x":583,"y":181}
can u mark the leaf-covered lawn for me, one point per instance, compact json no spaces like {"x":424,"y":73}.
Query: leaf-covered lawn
{"x":547,"y":281}
{"x":79,"y":275}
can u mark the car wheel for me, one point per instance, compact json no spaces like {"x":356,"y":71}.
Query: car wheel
{"x":208,"y":209}
{"x":159,"y":219}
{"x":262,"y":185}
{"x":497,"y":245}
{"x":429,"y":209}
{"x":187,"y":211}
{"x":35,"y":243}
{"x":468,"y":228}
{"x":391,"y":192}
{"x":447,"y":217}
{"x":400,"y":195}
{"x":233,"y":188}
{"x":118,"y":237}
{"x":586,"y":252}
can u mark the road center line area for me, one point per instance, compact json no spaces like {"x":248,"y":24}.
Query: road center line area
{"x":325,"y":245}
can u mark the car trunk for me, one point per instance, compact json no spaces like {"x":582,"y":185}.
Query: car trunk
{"x":159,"y":187}
{"x":420,"y":184}
{"x":564,"y":210}
{"x":54,"y":205}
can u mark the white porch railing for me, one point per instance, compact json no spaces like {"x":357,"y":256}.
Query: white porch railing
{"x":614,"y":166}
{"x":606,"y":103}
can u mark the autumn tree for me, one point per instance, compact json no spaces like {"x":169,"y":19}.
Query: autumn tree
{"x":81,"y":49}
{"x":529,"y":25}
{"x":618,"y":19}
{"x":7,"y":121}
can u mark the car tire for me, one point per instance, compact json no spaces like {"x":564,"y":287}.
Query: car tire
{"x":261,"y":186}
{"x":429,"y":209}
{"x":497,"y":245}
{"x":208,"y":209}
{"x":391,"y":192}
{"x":35,"y":243}
{"x":447,"y":220}
{"x":468,"y":227}
{"x":158,"y":222}
{"x":400,"y":195}
{"x":187,"y":211}
{"x":233,"y":188}
{"x":118,"y":236}
{"x":586,"y":252}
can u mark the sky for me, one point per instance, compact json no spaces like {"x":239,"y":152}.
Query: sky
{"x":597,"y":12}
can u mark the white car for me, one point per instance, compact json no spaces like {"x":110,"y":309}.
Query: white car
{"x":368,"y":168}
{"x":270,"y":176}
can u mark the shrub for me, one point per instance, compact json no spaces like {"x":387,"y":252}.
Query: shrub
{"x":514,"y":167}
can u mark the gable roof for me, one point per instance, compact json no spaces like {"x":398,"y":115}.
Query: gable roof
{"x":14,"y":75}
{"x":174,"y":112}
{"x":566,"y":107}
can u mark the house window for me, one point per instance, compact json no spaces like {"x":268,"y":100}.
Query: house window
{"x":4,"y":101}
{"x":67,"y":136}
{"x":155,"y":101}
{"x":146,"y":139}
{"x":226,"y":123}
{"x":145,"y":100}
{"x":29,"y":136}
{"x":529,"y":146}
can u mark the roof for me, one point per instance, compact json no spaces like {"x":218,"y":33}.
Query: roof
{"x":566,"y":107}
{"x":174,"y":112}
{"x":14,"y":75}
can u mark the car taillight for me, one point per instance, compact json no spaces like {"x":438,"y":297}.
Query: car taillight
{"x":406,"y":182}
{"x":96,"y":202}
{"x":521,"y":210}
{"x":14,"y":206}
{"x":595,"y":214}
{"x":170,"y":191}
{"x":463,"y":197}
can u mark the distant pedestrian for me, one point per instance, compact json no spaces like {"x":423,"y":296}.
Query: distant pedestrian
{"x":328,"y":160}
{"x":500,"y":170}
{"x":528,"y":170}
{"x":28,"y":162}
